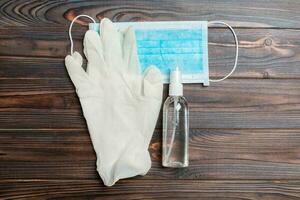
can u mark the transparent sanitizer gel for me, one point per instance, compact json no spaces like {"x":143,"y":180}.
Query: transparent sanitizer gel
{"x":175,"y":125}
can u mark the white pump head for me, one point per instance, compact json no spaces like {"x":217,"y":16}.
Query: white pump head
{"x":175,"y":87}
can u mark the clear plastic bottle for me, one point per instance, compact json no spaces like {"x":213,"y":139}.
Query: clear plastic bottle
{"x":175,"y":125}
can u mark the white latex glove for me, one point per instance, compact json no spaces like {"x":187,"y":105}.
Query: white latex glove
{"x":120,"y":106}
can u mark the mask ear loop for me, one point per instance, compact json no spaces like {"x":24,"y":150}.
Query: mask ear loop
{"x":236,"y":51}
{"x":70,"y":29}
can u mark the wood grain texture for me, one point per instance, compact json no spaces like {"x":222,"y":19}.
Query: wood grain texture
{"x":214,"y":154}
{"x":152,"y":189}
{"x":264,"y":53}
{"x":245,"y":131}
{"x":237,"y":103}
{"x":239,"y":13}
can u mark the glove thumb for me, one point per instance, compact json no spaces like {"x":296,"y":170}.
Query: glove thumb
{"x":152,"y":83}
{"x":74,"y":67}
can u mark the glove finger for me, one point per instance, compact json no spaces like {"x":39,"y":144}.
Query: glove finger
{"x":130,"y":55}
{"x":74,"y":67}
{"x":93,"y":51}
{"x":152,"y":83}
{"x":153,"y":89}
{"x":111,"y":39}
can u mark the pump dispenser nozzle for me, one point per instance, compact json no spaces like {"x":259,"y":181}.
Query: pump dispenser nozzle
{"x":175,"y":87}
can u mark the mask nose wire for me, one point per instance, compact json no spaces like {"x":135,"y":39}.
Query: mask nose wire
{"x":236,"y":50}
{"x":70,"y":29}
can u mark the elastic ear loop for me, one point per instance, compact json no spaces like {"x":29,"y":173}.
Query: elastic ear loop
{"x":70,"y":29}
{"x":236,"y":50}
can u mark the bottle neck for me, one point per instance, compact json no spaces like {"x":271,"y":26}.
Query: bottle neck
{"x":175,"y":95}
{"x":175,"y":87}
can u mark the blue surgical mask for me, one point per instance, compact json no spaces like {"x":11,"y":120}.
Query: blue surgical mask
{"x":173,"y":44}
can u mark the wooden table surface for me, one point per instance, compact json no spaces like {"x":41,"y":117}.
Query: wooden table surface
{"x":244,"y":132}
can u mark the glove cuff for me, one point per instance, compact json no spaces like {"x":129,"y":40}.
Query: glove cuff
{"x":133,"y":162}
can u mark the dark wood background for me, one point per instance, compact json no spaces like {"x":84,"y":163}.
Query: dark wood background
{"x":245,"y":131}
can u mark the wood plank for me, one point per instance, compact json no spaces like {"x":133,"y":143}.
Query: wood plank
{"x":245,"y":132}
{"x":15,"y":67}
{"x":214,"y":154}
{"x":264,"y":53}
{"x":151,"y":189}
{"x":241,"y":14}
{"x":236,"y":103}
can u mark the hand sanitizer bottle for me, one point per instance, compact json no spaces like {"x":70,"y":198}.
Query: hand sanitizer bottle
{"x":175,"y":125}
